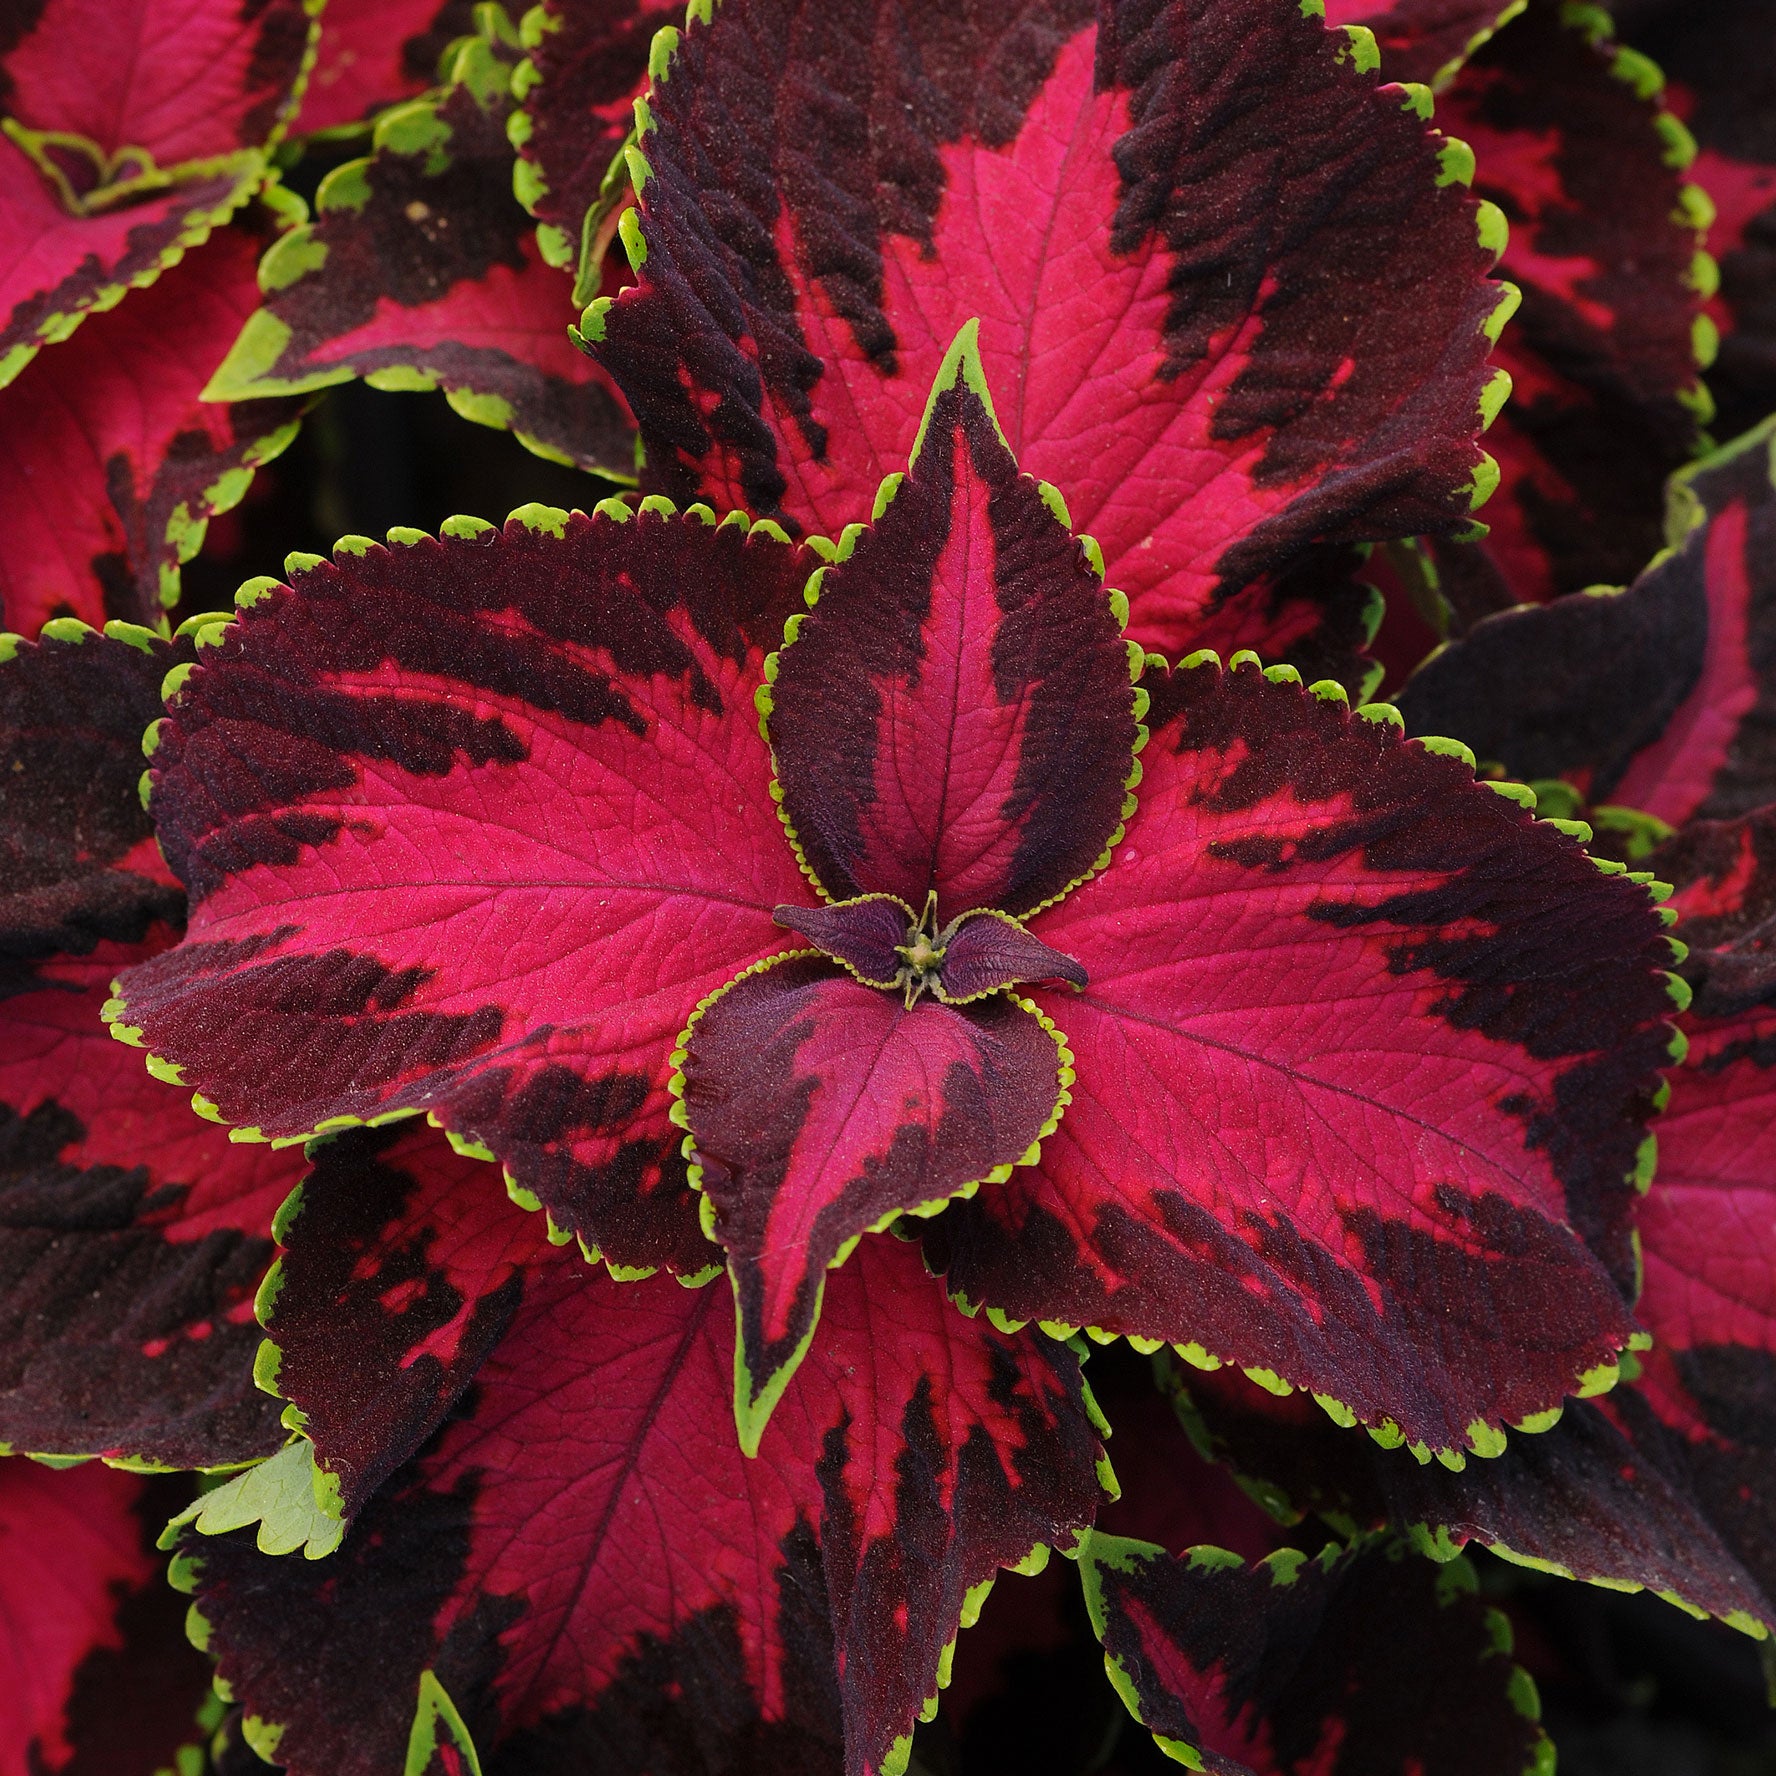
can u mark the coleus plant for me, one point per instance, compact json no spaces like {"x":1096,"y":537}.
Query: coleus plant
{"x":805,"y":867}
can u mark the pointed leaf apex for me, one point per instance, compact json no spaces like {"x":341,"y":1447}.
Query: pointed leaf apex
{"x":961,"y":364}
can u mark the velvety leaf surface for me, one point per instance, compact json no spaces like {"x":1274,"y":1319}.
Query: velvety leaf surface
{"x":1607,"y":1494}
{"x":180,"y":80}
{"x":955,"y":714}
{"x":57,"y":266}
{"x":1573,"y":144}
{"x":1425,"y":40}
{"x":375,"y":53}
{"x":588,"y":61}
{"x":599,"y":1578}
{"x":421,"y":270}
{"x":1724,"y":87}
{"x":1656,"y":697}
{"x":77,"y":854}
{"x":1370,"y":1661}
{"x":113,"y":465}
{"x":1145,"y":207}
{"x":1363,"y":1069}
{"x":132,"y":1237}
{"x":471,"y":826}
{"x":819,"y":1108}
{"x":402,"y":1268}
{"x":98,"y":1677}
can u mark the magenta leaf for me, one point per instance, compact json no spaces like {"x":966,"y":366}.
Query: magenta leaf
{"x":1363,"y":1068}
{"x":114,"y":465}
{"x":954,"y":715}
{"x":171,"y":80}
{"x":470,"y":826}
{"x":1655,"y":698}
{"x":132,"y":1238}
{"x":820,"y":1108}
{"x":1573,"y":143}
{"x":421,"y":270}
{"x":1425,"y":40}
{"x":825,"y":198}
{"x":587,"y":65}
{"x":585,"y":1547}
{"x":96,"y":1674}
{"x":403,"y":1266}
{"x":1363,"y":1660}
{"x":77,"y":853}
{"x":375,"y":53}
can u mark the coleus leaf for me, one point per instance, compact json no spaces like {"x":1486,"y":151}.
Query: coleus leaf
{"x":375,"y":53}
{"x":1425,"y":40}
{"x":97,"y":1672}
{"x":132,"y":1238}
{"x":114,"y":466}
{"x":1605,"y":1495}
{"x":1361,"y":1660}
{"x":166,"y":80}
{"x":543,"y":751}
{"x":80,"y":861}
{"x":421,"y":271}
{"x":128,"y":141}
{"x":402,"y":1269}
{"x":826,"y":196}
{"x":1724,"y":89}
{"x":1363,"y":1070}
{"x":586,"y":65}
{"x":1573,"y":143}
{"x":1654,"y":697}
{"x":585,"y":1547}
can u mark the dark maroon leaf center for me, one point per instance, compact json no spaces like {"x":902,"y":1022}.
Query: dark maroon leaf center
{"x":885,"y":944}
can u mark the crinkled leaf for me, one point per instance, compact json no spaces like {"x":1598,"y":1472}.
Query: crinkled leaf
{"x":1573,"y":143}
{"x":57,"y":267}
{"x":374,"y":53}
{"x":585,"y":1549}
{"x":1724,"y":87}
{"x":1363,"y":1069}
{"x":588,"y":63}
{"x":182,"y":80}
{"x":421,"y":270}
{"x":77,"y":853}
{"x":97,"y":1673}
{"x":1425,"y":40}
{"x":279,"y":1499}
{"x":955,"y":714}
{"x":471,"y":826}
{"x":132,"y":1238}
{"x":1605,"y":1495}
{"x":113,"y":465}
{"x":401,"y":1271}
{"x":1655,"y":697}
{"x":1145,"y":206}
{"x":820,"y":1108}
{"x":1365,"y":1661}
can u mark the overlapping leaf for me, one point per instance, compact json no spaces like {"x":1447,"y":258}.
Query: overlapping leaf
{"x":1655,"y":697}
{"x":1363,"y":1071}
{"x":126,"y":142}
{"x":402,"y":1269}
{"x":594,"y":1573}
{"x":1572,"y":142}
{"x":375,"y":53}
{"x":587,"y":64}
{"x":1364,"y":1660}
{"x":421,"y":270}
{"x":113,"y":465}
{"x":97,"y":1672}
{"x":470,"y":826}
{"x":1146,"y":207}
{"x":1425,"y":40}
